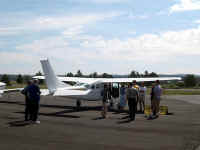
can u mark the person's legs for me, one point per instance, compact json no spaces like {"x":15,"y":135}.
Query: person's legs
{"x":35,"y":111}
{"x":104,"y":112}
{"x":143,"y":103}
{"x":31,"y":109}
{"x":140,"y":103}
{"x":154,"y":106}
{"x":130,"y":108}
{"x":134,"y":110}
{"x":151,"y":103}
{"x":157,"y":106}
{"x":26,"y":110}
{"x":136,"y":103}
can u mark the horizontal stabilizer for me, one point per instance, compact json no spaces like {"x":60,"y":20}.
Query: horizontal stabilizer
{"x":44,"y":92}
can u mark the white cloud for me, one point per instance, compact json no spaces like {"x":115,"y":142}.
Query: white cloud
{"x":131,"y":15}
{"x":132,"y":32}
{"x":49,"y":46}
{"x":73,"y":31}
{"x":197,"y":21}
{"x":6,"y":31}
{"x":68,"y":25}
{"x":149,"y":49}
{"x":185,"y":5}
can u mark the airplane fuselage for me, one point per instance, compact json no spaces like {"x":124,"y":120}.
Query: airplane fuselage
{"x":93,"y":94}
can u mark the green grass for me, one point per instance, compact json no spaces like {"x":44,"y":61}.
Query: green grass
{"x":181,"y":92}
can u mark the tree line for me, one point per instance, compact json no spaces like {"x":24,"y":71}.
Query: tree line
{"x":133,"y":74}
{"x":189,"y":80}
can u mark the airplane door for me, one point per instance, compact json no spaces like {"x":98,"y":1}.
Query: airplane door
{"x":95,"y":94}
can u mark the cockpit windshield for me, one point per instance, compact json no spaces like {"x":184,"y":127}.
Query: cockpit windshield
{"x":82,"y":84}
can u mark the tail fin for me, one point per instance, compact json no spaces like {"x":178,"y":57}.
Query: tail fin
{"x":51,"y":80}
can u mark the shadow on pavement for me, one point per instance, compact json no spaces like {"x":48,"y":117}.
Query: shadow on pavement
{"x":56,"y":114}
{"x":20,"y":123}
{"x":125,"y":121}
{"x":98,"y":118}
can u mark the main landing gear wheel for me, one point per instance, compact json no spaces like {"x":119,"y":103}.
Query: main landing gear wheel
{"x":78,"y":105}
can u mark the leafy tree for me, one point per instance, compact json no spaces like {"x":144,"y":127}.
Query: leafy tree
{"x":27,"y":78}
{"x":133,"y":74}
{"x":69,"y":74}
{"x":138,"y":74}
{"x":189,"y":80}
{"x":5,"y":79}
{"x":93,"y":75}
{"x":146,"y":74}
{"x":79,"y":74}
{"x":19,"y":79}
{"x":105,"y":75}
{"x":38,"y":73}
{"x":153,"y":74}
{"x":180,"y":84}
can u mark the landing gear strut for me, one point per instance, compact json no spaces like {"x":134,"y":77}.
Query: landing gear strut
{"x":78,"y":105}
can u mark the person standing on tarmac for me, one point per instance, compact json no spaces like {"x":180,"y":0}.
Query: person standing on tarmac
{"x":157,"y":91}
{"x":132,"y":96}
{"x":142,"y":94}
{"x":105,"y":98}
{"x":135,"y":86}
{"x":27,"y":101}
{"x":34,"y":96}
{"x":110,"y":94}
{"x":152,"y":95}
{"x":122,"y":103}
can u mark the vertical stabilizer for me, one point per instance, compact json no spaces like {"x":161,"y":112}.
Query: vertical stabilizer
{"x":52,"y":81}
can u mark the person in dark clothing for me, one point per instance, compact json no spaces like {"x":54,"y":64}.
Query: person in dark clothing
{"x":152,"y":96}
{"x":132,"y":96}
{"x":34,"y":96}
{"x":110,"y":94}
{"x":105,"y":97}
{"x":27,"y":101}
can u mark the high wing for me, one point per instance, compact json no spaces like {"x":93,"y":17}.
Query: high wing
{"x":110,"y":80}
{"x":68,"y":92}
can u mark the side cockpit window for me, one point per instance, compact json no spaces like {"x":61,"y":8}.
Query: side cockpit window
{"x":98,"y":86}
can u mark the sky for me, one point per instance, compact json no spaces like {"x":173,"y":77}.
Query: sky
{"x":112,"y":36}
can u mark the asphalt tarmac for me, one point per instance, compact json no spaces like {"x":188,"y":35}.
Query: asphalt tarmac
{"x":62,"y":128}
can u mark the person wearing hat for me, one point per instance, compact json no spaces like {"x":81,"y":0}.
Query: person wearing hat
{"x":132,"y":97}
{"x":34,"y":97}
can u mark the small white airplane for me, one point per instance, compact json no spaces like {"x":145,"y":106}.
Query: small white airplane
{"x":86,"y":88}
{"x":4,"y":90}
